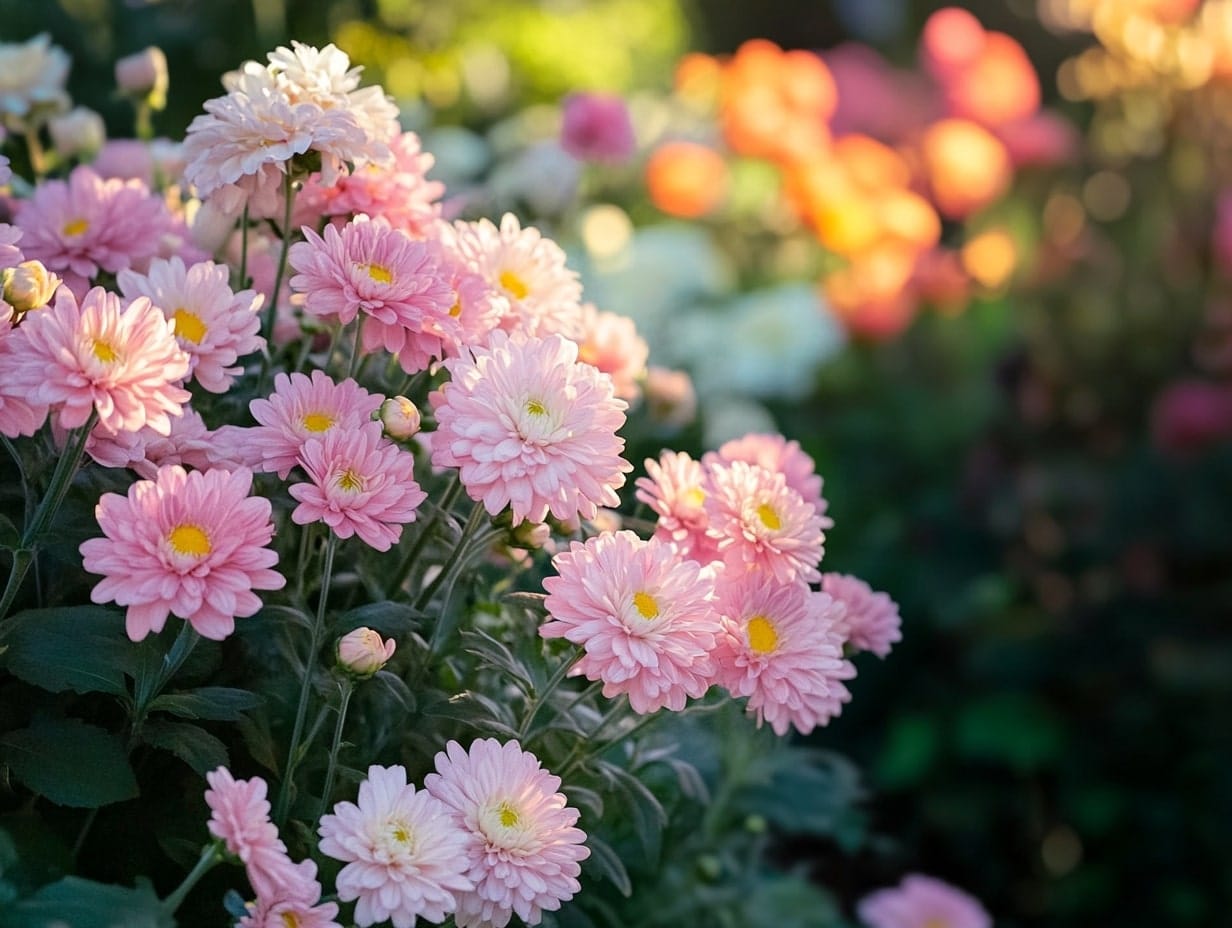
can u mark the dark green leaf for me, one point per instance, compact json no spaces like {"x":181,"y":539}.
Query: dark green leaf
{"x":10,"y":537}
{"x":587,"y":800}
{"x":82,"y":648}
{"x":218,"y":703}
{"x":190,"y":743}
{"x":69,"y":762}
{"x":495,"y":654}
{"x":387,"y":617}
{"x":607,"y":863}
{"x":86,"y":904}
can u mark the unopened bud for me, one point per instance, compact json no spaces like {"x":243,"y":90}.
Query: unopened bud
{"x":530,"y":535}
{"x":144,"y":75}
{"x":399,"y":417}
{"x":670,"y":398}
{"x":78,"y":133}
{"x":28,"y":286}
{"x":362,"y":652}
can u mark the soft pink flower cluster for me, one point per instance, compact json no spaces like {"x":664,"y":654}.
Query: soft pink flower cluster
{"x":922,"y":902}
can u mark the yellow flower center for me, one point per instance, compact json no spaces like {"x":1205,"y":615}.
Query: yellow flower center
{"x":400,"y":832}
{"x":379,"y":273}
{"x":508,"y":815}
{"x":75,"y":227}
{"x":769,"y":518}
{"x":189,"y":325}
{"x":536,"y":408}
{"x":318,"y":421}
{"x":762,"y":637}
{"x":588,"y":354}
{"x":646,"y":605}
{"x":514,"y":284}
{"x":456,"y":309}
{"x":694,"y":496}
{"x":104,"y":352}
{"x":936,"y":923}
{"x":190,"y":539}
{"x":290,"y":920}
{"x":349,"y":480}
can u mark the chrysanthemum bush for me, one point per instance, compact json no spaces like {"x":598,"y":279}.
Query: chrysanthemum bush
{"x":331,"y":595}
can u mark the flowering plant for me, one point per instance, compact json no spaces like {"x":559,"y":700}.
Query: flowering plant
{"x":334,"y":496}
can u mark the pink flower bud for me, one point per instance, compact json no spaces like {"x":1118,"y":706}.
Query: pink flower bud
{"x":362,"y":652}
{"x":144,"y":75}
{"x":79,"y":132}
{"x":530,"y":535}
{"x":670,"y":398}
{"x":28,"y":286}
{"x":399,"y":417}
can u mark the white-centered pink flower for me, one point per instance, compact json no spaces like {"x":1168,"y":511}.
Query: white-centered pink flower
{"x":362,"y":484}
{"x":870,"y":621}
{"x":782,"y":647}
{"x":644,"y":616}
{"x":922,"y":902}
{"x":775,"y":453}
{"x":118,"y":359}
{"x":300,"y":408}
{"x":610,"y":342}
{"x":523,"y":847}
{"x":675,"y":487}
{"x":759,"y":523}
{"x":531,"y":428}
{"x":214,"y":324}
{"x":240,"y":817}
{"x":406,"y":854}
{"x":189,"y":443}
{"x":193,"y":544}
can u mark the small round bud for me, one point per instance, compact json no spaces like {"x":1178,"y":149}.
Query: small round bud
{"x":362,"y":652}
{"x":79,"y":133}
{"x":530,"y":535}
{"x":400,"y":418}
{"x":670,"y":398}
{"x":28,"y":286}
{"x":144,"y":75}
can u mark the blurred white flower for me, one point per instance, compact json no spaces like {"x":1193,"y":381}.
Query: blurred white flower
{"x":32,"y":76}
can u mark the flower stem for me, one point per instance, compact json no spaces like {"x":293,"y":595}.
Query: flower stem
{"x":243,"y":250}
{"x":355,"y":352}
{"x":271,"y":311}
{"x":472,"y":526}
{"x":318,"y":629}
{"x":209,"y":857}
{"x":537,"y":701}
{"x":348,"y":688}
{"x":148,"y":686}
{"x":425,"y":533}
{"x":34,"y":147}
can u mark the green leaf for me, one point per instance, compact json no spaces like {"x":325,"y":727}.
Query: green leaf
{"x":217,"y":703}
{"x":83,"y":649}
{"x":495,"y":654}
{"x":607,"y":863}
{"x":190,"y":743}
{"x":10,"y":537}
{"x":70,"y":763}
{"x":387,"y":617}
{"x":86,"y":904}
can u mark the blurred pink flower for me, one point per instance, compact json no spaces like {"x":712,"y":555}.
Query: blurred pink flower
{"x":870,"y":620}
{"x":877,"y":99}
{"x":10,"y":253}
{"x":670,"y":397}
{"x":610,"y":342}
{"x":1042,"y":139}
{"x":19,"y":414}
{"x":1190,"y":415}
{"x":597,"y":127}
{"x":922,"y":902}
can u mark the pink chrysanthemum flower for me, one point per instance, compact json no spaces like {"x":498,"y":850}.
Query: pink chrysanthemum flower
{"x":215,"y":325}
{"x":392,"y":279}
{"x":610,"y":342}
{"x":301,"y":408}
{"x":529,"y":269}
{"x":10,"y":254}
{"x":775,"y":453}
{"x":782,"y":647}
{"x":406,"y":855}
{"x":676,"y":488}
{"x":190,"y":444}
{"x":871,"y":621}
{"x":193,"y":544}
{"x":759,"y":523}
{"x":644,"y":616}
{"x":121,"y":360}
{"x":922,"y":902}
{"x":531,"y":428}
{"x":477,"y":307}
{"x":290,"y":913}
{"x":84,"y":225}
{"x":362,"y":484}
{"x":19,"y":415}
{"x":523,"y":847}
{"x":239,"y":816}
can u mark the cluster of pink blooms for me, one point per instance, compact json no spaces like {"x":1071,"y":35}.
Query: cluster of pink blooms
{"x":922,"y":902}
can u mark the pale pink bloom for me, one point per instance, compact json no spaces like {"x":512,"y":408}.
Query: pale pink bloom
{"x":362,"y":484}
{"x":290,"y":913}
{"x":597,"y":127}
{"x":670,"y":397}
{"x":523,"y":846}
{"x":401,"y":194}
{"x":644,"y":616}
{"x":775,"y":453}
{"x":84,"y":225}
{"x":529,"y":269}
{"x":363,"y":651}
{"x":28,"y":286}
{"x":215,"y":325}
{"x":10,"y":253}
{"x":675,"y":488}
{"x":79,"y":133}
{"x":189,"y":543}
{"x":120,"y":360}
{"x":922,"y":902}
{"x":189,"y":443}
{"x":1041,"y":139}
{"x":759,"y":523}
{"x":19,"y":415}
{"x":301,"y":408}
{"x":478,"y":307}
{"x":531,"y":429}
{"x":782,"y":647}
{"x":871,"y":621}
{"x":239,"y":816}
{"x":392,"y":279}
{"x":406,"y":853}
{"x":610,"y":342}
{"x":34,"y":73}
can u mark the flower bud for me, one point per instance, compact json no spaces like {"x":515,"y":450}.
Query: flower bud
{"x":670,"y":397}
{"x":362,"y":652}
{"x":28,"y":286}
{"x":144,"y":76}
{"x":530,"y":535}
{"x":399,"y":417}
{"x":78,"y":133}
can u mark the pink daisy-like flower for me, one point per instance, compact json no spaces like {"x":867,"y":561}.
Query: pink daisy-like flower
{"x":239,"y":816}
{"x":531,"y":428}
{"x":362,"y":484}
{"x":644,"y":616}
{"x":596,"y":127}
{"x":215,"y":325}
{"x":406,"y":855}
{"x":190,"y":443}
{"x":290,"y":913}
{"x":10,"y":254}
{"x":759,"y":523}
{"x":84,"y":225}
{"x":529,"y":269}
{"x":610,"y":342}
{"x":18,"y":414}
{"x":189,"y":543}
{"x":871,"y":621}
{"x":675,"y":488}
{"x":523,"y":848}
{"x":922,"y":902}
{"x":782,"y":647}
{"x":121,"y":360}
{"x":477,"y":307}
{"x":301,"y":408}
{"x":775,"y":453}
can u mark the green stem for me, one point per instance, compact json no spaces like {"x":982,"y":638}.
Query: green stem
{"x":425,"y":533}
{"x":145,"y":121}
{"x":209,"y":856}
{"x":244,"y":250}
{"x":348,"y":688}
{"x":539,"y":699}
{"x":472,"y":526}
{"x":573,"y":757}
{"x":271,"y":311}
{"x":38,"y":159}
{"x":148,"y":686}
{"x":61,"y":479}
{"x":355,"y":350}
{"x":318,"y":629}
